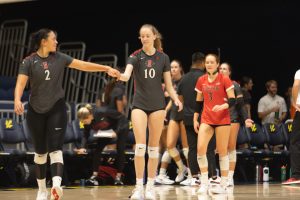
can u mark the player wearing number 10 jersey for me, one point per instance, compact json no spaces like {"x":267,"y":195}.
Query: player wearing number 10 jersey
{"x":148,"y":72}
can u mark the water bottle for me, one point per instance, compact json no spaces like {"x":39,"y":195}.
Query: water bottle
{"x":283,"y":173}
{"x":266,"y":174}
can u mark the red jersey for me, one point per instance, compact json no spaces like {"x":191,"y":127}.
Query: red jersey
{"x":214,"y":93}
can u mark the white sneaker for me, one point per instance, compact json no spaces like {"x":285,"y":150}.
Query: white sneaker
{"x":181,"y":174}
{"x":56,"y":193}
{"x":203,"y":189}
{"x":138,"y":193}
{"x":42,"y":195}
{"x":164,"y":179}
{"x":218,"y":189}
{"x":214,"y":181}
{"x":195,"y":182}
{"x":150,"y":193}
{"x":230,"y":182}
{"x":187,"y":182}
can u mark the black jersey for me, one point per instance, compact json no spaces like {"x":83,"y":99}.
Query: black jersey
{"x":148,"y":74}
{"x":186,"y":88}
{"x":45,"y":76}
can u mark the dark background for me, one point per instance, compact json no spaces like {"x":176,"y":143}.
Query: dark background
{"x":259,"y":38}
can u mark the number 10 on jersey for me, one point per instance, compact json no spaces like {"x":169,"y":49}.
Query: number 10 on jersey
{"x":149,"y":73}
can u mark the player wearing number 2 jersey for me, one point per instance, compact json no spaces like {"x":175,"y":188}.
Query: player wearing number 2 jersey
{"x":149,"y":65}
{"x":47,"y":115}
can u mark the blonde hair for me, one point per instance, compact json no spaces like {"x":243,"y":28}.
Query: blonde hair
{"x":157,"y":41}
{"x":84,"y":112}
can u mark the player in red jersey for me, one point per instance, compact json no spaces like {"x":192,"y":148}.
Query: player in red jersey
{"x":215,"y":95}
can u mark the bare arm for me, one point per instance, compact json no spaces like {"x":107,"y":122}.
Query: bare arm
{"x":180,"y":97}
{"x":126,"y":75}
{"x":20,"y":85}
{"x":295,"y":91}
{"x":230,"y":94}
{"x":168,"y":107}
{"x":262,"y":115}
{"x":196,"y":124}
{"x":93,"y":67}
{"x":120,"y":106}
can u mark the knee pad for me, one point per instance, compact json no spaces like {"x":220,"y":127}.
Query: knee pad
{"x":232,"y":156}
{"x":56,"y":157}
{"x":224,"y":163}
{"x":166,"y":157}
{"x":153,"y":152}
{"x":202,"y":161}
{"x":185,"y":152}
{"x":40,"y":159}
{"x":140,"y":150}
{"x":173,"y":152}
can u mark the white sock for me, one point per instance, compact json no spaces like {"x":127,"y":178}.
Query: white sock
{"x":41,"y":184}
{"x":56,"y":181}
{"x":230,"y":174}
{"x":204,"y":178}
{"x":180,"y":165}
{"x":139,"y":182}
{"x":162,"y":171}
{"x":224,"y":180}
{"x":150,"y":182}
{"x":189,"y":173}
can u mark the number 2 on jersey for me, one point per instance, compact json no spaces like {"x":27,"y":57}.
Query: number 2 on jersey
{"x":150,"y":73}
{"x":47,"y":72}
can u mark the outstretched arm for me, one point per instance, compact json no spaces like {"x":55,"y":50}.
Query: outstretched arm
{"x":126,"y":75}
{"x":93,"y":67}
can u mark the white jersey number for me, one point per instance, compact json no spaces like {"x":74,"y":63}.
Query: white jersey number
{"x":47,"y":72}
{"x":150,"y":73}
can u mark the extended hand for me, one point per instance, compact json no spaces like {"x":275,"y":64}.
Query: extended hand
{"x":217,"y":108}
{"x":114,"y":73}
{"x":179,"y":104}
{"x":19,"y":108}
{"x":249,"y":123}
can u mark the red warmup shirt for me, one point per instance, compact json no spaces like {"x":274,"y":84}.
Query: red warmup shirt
{"x":214,"y":93}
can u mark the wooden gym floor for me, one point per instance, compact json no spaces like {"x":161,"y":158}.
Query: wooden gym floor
{"x":253,"y":191}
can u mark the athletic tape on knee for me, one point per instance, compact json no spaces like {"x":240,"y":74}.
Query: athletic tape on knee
{"x":40,"y":158}
{"x":186,"y":153}
{"x":173,"y":152}
{"x":224,"y":163}
{"x":232,"y":156}
{"x":56,"y":157}
{"x":140,"y":150}
{"x":166,"y":157}
{"x":153,"y":152}
{"x":202,"y":161}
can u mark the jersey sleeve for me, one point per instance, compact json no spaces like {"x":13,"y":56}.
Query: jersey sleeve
{"x":227,"y":83}
{"x":66,"y":58}
{"x":132,"y":60}
{"x":237,"y":89}
{"x":198,"y":87}
{"x":24,"y":67}
{"x":167,"y":66}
